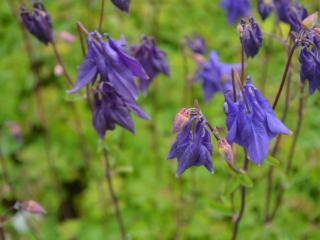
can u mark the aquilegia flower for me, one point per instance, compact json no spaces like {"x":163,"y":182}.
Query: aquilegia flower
{"x":296,"y":14}
{"x":123,"y":5}
{"x":310,"y":62}
{"x":193,"y":146}
{"x":264,"y":8}
{"x":116,"y":92}
{"x":236,"y":9}
{"x":250,"y":36}
{"x":282,"y":8}
{"x":214,"y":75}
{"x":38,"y":22}
{"x":153,"y":60}
{"x":197,"y":44}
{"x":252,"y":123}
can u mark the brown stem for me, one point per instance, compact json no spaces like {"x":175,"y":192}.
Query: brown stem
{"x":2,"y":235}
{"x":243,"y":202}
{"x":187,"y":93}
{"x":242,"y":64}
{"x":60,"y":62}
{"x":114,"y":197}
{"x":291,"y":152}
{"x":101,"y":15}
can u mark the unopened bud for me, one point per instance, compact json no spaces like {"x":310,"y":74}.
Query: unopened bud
{"x":310,"y":21}
{"x":226,"y":150}
{"x":29,"y":206}
{"x":181,"y":119}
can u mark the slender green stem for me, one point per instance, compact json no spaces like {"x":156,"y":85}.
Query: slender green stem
{"x":101,"y":15}
{"x":113,"y":195}
{"x":243,"y":203}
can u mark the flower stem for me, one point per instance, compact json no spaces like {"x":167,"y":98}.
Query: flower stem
{"x":6,"y":178}
{"x":243,"y":202}
{"x":101,"y":15}
{"x":284,"y":76}
{"x":242,"y":64}
{"x":291,"y":152}
{"x":114,"y":197}
{"x":60,"y":62}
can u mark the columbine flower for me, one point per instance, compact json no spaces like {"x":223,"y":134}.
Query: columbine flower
{"x":310,"y":62}
{"x":123,"y":5}
{"x":111,"y":109}
{"x":252,"y":123}
{"x":214,"y":75}
{"x":296,"y":15}
{"x":38,"y":22}
{"x":29,"y":206}
{"x":250,"y":36}
{"x":264,"y":8}
{"x":153,"y":60}
{"x":192,"y":146}
{"x":116,"y":92}
{"x":282,"y":8}
{"x":197,"y":44}
{"x":236,"y":9}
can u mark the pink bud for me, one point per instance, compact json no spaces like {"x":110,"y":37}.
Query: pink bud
{"x":226,"y":150}
{"x":67,"y":37}
{"x":181,"y":120}
{"x":29,"y":206}
{"x":310,"y":21}
{"x":58,"y":70}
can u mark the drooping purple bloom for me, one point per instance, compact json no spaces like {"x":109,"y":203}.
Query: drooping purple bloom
{"x":264,"y":8}
{"x":310,"y":63}
{"x":251,"y":37}
{"x":153,"y":60}
{"x":197,"y":44}
{"x":296,"y":14}
{"x":282,"y":7}
{"x":214,"y":76}
{"x":192,"y":147}
{"x":38,"y":22}
{"x":116,"y":92}
{"x":123,"y":5}
{"x":236,"y":9}
{"x":252,"y":123}
{"x":111,"y":109}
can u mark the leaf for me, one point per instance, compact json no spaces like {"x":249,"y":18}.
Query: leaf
{"x":245,"y":180}
{"x":273,"y":161}
{"x":231,"y":186}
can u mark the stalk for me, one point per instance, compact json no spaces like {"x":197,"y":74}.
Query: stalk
{"x":101,"y":15}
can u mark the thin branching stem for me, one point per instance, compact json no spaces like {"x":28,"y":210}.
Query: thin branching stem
{"x":113,"y":195}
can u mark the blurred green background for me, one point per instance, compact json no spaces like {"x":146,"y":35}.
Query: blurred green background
{"x":154,"y":203}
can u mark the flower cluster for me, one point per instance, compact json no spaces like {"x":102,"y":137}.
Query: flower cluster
{"x":236,"y":9}
{"x":153,"y":60}
{"x":250,"y":36}
{"x":116,"y":93}
{"x":193,"y":145}
{"x":38,"y":22}
{"x":215,"y":76}
{"x":252,"y":123}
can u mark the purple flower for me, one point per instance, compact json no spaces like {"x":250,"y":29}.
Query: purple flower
{"x":264,"y":8}
{"x":296,"y":15}
{"x":197,"y":44}
{"x":192,"y":147}
{"x":236,"y":9}
{"x":251,"y":37}
{"x":252,"y":123}
{"x":310,"y":64}
{"x":38,"y":22}
{"x":282,"y":7}
{"x":110,"y":109}
{"x":123,"y":5}
{"x":153,"y":60}
{"x":214,"y":76}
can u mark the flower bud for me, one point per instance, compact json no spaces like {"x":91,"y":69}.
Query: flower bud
{"x":181,"y":119}
{"x":29,"y":206}
{"x":225,"y":149}
{"x":310,"y":21}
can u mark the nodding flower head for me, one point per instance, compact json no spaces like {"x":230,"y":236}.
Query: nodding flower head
{"x":236,"y":9}
{"x":197,"y":44}
{"x":310,"y":61}
{"x":123,"y":5}
{"x":193,"y":145}
{"x":282,"y":8}
{"x":296,"y":14}
{"x":214,"y":75}
{"x":153,"y":60}
{"x":38,"y":22}
{"x":110,"y":108}
{"x":250,"y":36}
{"x":264,"y":8}
{"x":252,"y":123}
